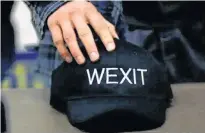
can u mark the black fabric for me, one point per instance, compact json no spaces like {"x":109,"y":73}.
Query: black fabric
{"x":163,"y":11}
{"x":3,"y":118}
{"x":178,"y":36}
{"x":99,"y":103}
{"x":7,"y":37}
{"x":7,"y":50}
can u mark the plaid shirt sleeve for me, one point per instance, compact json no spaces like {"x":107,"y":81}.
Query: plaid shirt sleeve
{"x":40,"y":11}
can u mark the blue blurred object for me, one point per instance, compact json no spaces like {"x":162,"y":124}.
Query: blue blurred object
{"x":32,"y":47}
{"x":22,"y":73}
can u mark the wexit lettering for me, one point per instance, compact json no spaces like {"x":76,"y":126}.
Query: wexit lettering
{"x":110,"y":75}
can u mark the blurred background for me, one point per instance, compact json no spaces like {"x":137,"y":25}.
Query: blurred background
{"x":21,"y":74}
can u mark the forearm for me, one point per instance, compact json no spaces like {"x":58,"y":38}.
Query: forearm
{"x":40,"y":11}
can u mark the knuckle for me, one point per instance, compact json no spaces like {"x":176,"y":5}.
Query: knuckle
{"x":112,"y":27}
{"x":84,"y":34}
{"x":103,"y":30}
{"x":58,"y":42}
{"x":51,"y":21}
{"x":96,"y":16}
{"x":74,"y":52}
{"x":89,"y":5}
{"x":73,"y":14}
{"x":69,"y":38}
{"x":63,"y":54}
{"x":106,"y":37}
{"x":90,"y":8}
{"x":52,"y":24}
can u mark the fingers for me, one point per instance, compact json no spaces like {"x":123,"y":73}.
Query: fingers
{"x":71,"y":41}
{"x":59,"y":43}
{"x":101,"y":29}
{"x":86,"y":36}
{"x":78,"y":15}
{"x":112,"y":29}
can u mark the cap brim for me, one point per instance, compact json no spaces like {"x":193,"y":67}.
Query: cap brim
{"x":130,"y":109}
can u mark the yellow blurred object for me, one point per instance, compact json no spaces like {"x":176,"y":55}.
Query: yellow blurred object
{"x":37,"y":85}
{"x":20,"y":77}
{"x":20,"y":71}
{"x":6,"y":84}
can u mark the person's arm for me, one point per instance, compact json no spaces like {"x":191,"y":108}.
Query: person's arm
{"x":40,"y":11}
{"x":63,"y":18}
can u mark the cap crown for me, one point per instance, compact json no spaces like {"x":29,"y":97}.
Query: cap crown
{"x":127,"y":71}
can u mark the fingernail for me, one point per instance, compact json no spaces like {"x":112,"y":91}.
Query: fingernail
{"x":110,"y":46}
{"x":69,"y":59}
{"x":94,"y":56}
{"x":80,"y":59}
{"x":116,"y":36}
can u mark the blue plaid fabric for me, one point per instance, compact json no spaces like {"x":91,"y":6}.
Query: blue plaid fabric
{"x":40,"y":11}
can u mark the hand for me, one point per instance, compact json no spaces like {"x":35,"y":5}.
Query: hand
{"x":77,"y":15}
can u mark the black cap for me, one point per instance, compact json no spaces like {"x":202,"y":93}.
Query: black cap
{"x":128,"y":79}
